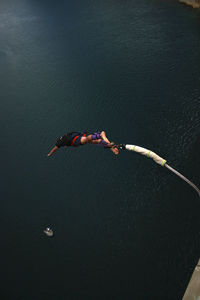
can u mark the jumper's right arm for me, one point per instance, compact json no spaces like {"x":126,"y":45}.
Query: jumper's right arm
{"x":53,"y":150}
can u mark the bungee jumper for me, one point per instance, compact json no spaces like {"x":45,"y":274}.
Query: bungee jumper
{"x":76,"y":139}
{"x":159,"y":160}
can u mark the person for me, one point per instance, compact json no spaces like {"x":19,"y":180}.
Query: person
{"x":76,"y":139}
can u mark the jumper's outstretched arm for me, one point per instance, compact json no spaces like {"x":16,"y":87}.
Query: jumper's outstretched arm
{"x":53,"y":150}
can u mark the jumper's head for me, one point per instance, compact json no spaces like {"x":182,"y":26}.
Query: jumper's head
{"x":59,"y":142}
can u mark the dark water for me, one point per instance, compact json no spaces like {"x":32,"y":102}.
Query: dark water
{"x":124,"y":227}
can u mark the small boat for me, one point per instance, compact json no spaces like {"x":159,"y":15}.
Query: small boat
{"x":48,"y":232}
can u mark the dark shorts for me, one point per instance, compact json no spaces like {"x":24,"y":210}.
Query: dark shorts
{"x":77,"y":140}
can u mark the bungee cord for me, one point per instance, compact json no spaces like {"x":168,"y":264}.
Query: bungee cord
{"x":159,"y":160}
{"x":184,"y":178}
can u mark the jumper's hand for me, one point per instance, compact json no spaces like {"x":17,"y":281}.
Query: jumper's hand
{"x":53,"y":150}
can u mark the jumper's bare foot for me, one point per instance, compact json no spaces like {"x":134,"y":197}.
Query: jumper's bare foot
{"x":115,"y":150}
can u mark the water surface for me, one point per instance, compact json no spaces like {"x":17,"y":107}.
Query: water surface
{"x":124,"y":227}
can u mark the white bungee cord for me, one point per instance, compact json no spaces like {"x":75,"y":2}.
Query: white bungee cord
{"x":159,"y":160}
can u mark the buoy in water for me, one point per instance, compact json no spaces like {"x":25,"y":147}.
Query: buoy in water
{"x":48,"y":232}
